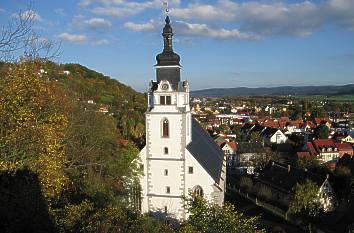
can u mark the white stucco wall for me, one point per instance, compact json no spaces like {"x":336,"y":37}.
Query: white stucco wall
{"x":176,"y":162}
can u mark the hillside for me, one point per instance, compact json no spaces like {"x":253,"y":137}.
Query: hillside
{"x":276,"y":91}
{"x":84,"y":85}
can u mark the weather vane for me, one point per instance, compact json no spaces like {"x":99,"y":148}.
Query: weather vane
{"x":167,"y":10}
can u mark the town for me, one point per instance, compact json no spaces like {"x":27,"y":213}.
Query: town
{"x":272,"y":144}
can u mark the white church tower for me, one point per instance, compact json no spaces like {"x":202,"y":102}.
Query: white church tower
{"x":179,"y":156}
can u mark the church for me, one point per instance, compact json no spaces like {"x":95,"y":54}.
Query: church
{"x":179,"y":156}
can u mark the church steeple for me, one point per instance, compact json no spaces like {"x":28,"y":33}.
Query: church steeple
{"x":167,"y":57}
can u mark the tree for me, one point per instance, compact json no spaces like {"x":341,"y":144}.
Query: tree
{"x":322,"y":131}
{"x":33,"y":120}
{"x":207,"y":217}
{"x":259,"y":161}
{"x":255,"y":137}
{"x":306,"y":202}
{"x":19,"y":38}
{"x":317,"y":112}
{"x":308,"y":162}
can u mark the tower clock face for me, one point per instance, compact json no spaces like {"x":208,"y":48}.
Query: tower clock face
{"x":164,"y":87}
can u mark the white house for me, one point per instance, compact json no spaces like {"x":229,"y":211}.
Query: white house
{"x":273,"y":136}
{"x":348,"y":138}
{"x":327,"y":196}
{"x":179,"y":156}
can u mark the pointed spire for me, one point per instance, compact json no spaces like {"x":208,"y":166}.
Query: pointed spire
{"x":167,"y":57}
{"x":167,"y":35}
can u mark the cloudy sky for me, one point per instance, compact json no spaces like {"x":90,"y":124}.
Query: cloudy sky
{"x":222,"y":43}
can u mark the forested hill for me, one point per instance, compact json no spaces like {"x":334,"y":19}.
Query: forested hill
{"x":276,"y":91}
{"x":69,"y":139}
{"x":97,"y":92}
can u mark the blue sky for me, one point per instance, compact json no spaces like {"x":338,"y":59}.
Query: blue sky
{"x":222,"y":43}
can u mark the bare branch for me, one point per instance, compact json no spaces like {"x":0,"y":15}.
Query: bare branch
{"x":18,"y":39}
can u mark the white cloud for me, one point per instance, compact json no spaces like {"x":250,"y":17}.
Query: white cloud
{"x":258,"y":17}
{"x":28,"y":14}
{"x":72,"y":37}
{"x":114,"y":11}
{"x":60,"y":11}
{"x":98,"y":23}
{"x":86,"y":3}
{"x":273,"y":17}
{"x":100,"y":42}
{"x":121,"y":8}
{"x":194,"y":29}
{"x":342,"y":12}
{"x":2,"y":10}
{"x":149,"y":26}
{"x":205,"y":12}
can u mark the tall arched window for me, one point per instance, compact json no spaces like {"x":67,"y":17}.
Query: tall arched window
{"x":165,"y":128}
{"x":197,"y":190}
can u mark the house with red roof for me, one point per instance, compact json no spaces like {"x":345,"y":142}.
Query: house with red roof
{"x":311,"y":149}
{"x":326,"y":149}
{"x":344,"y":148}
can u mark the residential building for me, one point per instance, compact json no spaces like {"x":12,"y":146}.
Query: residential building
{"x":326,"y":150}
{"x":273,"y":136}
{"x":344,"y":148}
{"x":246,"y":153}
{"x":282,"y":179}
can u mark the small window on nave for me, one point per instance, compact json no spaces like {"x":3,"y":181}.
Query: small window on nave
{"x":165,"y":150}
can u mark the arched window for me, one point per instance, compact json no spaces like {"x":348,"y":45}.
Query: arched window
{"x":165,"y":128}
{"x":197,"y":190}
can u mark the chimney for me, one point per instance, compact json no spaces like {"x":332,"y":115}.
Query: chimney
{"x":289,"y":167}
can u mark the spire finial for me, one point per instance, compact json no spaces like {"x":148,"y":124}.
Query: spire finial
{"x":167,"y":10}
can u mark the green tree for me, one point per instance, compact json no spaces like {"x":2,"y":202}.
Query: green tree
{"x":322,"y":131}
{"x":306,"y":203}
{"x":308,"y":162}
{"x":255,"y":137}
{"x":207,"y":217}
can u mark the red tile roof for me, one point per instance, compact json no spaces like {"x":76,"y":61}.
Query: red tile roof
{"x":344,"y":146}
{"x":233,"y":145}
{"x":319,"y":144}
{"x":311,"y":149}
{"x":303,"y":154}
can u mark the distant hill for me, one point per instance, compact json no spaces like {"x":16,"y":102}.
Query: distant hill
{"x":276,"y":91}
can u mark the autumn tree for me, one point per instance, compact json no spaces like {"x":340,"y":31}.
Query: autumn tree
{"x":33,"y":121}
{"x":208,"y":217}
